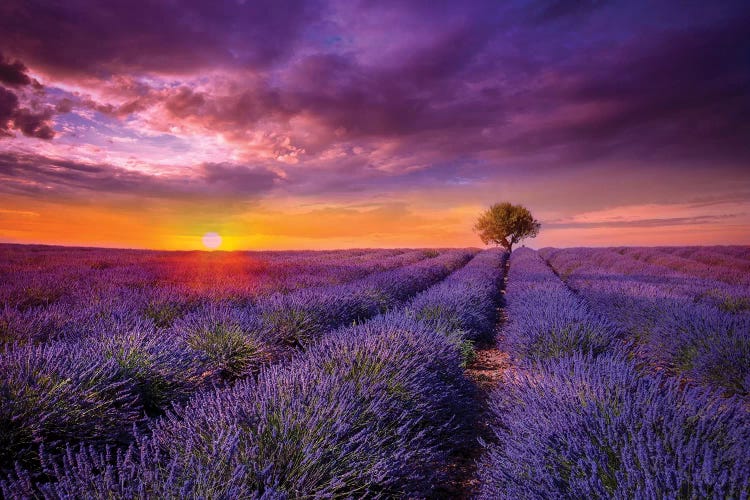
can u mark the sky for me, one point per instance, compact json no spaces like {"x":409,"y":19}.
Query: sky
{"x":347,"y":123}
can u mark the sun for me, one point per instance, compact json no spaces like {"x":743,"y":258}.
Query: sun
{"x":211,"y":240}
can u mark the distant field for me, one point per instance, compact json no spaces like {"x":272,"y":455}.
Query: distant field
{"x":145,"y":374}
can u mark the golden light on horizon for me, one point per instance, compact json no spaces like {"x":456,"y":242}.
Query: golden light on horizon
{"x":212,"y":241}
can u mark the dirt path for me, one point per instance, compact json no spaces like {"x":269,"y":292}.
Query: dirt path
{"x":485,"y":372}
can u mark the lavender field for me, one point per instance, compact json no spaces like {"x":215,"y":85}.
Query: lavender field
{"x":353,"y":373}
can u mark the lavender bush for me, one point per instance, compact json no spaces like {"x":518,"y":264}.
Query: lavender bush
{"x":50,"y":396}
{"x":675,"y":323}
{"x":702,"y":344}
{"x":584,"y":427}
{"x":546,"y":320}
{"x":466,"y":302}
{"x":371,"y":409}
{"x":229,"y":339}
{"x":368,"y":411}
{"x":51,"y":293}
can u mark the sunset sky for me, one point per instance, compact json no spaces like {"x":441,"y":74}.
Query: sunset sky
{"x":344,"y":123}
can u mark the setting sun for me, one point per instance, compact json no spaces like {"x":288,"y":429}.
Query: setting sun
{"x":211,"y":241}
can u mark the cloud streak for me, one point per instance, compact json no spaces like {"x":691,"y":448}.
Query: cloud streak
{"x":34,"y":175}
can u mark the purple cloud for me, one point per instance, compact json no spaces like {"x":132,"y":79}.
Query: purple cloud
{"x":92,"y":38}
{"x":323,"y":98}
{"x":13,"y":73}
{"x":33,"y":175}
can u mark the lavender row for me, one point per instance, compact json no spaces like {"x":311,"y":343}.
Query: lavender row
{"x":604,"y":264}
{"x":712,"y":256}
{"x":29,"y":272}
{"x":577,"y":419}
{"x":464,"y":304}
{"x":691,"y":267}
{"x":545,"y":319}
{"x":78,"y":301}
{"x":95,"y":389}
{"x":585,"y":427}
{"x":737,"y":253}
{"x":369,"y":410}
{"x":690,"y":334}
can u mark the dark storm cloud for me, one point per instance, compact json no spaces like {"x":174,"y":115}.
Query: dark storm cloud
{"x":8,"y":107}
{"x":31,"y":174}
{"x":34,"y":124}
{"x":31,"y":123}
{"x":236,"y":178}
{"x":13,"y":73}
{"x":509,"y":87}
{"x":89,"y":37}
{"x":458,"y":91}
{"x":671,"y":96}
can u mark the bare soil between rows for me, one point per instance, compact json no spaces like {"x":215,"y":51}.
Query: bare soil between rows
{"x":485,"y":373}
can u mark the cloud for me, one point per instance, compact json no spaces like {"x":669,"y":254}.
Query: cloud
{"x":8,"y":107}
{"x":30,"y":123}
{"x":34,"y":124}
{"x":469,"y":80}
{"x":81,"y":37}
{"x":39,"y":176}
{"x":656,"y":222}
{"x":13,"y":73}
{"x":327,"y":100}
{"x":238,"y":179}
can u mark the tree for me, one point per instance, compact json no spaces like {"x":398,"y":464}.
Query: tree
{"x":506,"y":224}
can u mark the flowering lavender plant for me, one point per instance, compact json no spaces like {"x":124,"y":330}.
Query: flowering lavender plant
{"x":594,"y":427}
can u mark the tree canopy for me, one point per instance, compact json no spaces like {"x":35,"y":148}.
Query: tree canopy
{"x":506,"y":224}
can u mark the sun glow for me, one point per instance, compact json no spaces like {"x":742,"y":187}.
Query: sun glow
{"x":211,"y":241}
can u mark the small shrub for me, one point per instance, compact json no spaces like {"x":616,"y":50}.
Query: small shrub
{"x":163,"y":314}
{"x":38,"y":297}
{"x":231,"y":340}
{"x":229,"y":351}
{"x":293,"y":326}
{"x":468,"y":353}
{"x":160,"y":369}
{"x":53,"y":394}
{"x":735,"y":304}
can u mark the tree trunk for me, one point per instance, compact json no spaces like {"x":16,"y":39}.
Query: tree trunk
{"x":507,"y":244}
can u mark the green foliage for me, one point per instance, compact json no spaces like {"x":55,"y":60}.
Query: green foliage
{"x":381,"y":298}
{"x":506,"y":224}
{"x":231,"y":352}
{"x":468,"y":353}
{"x":294,"y":326}
{"x":163,"y":314}
{"x":563,"y":340}
{"x":735,"y":304}
{"x":152,"y":386}
{"x":38,"y":297}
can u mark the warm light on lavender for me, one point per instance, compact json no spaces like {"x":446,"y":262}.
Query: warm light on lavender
{"x":313,"y":124}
